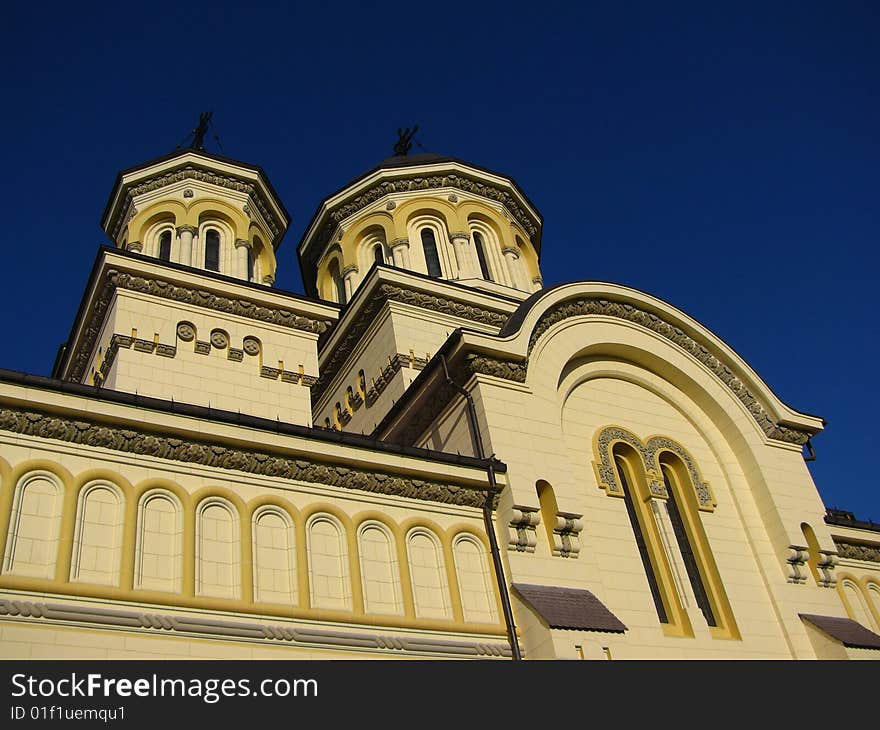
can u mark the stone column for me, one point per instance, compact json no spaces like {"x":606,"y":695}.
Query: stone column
{"x":400,"y":252}
{"x":186,"y":234}
{"x":134,"y":246}
{"x":349,"y":276}
{"x":461,"y":242}
{"x":511,"y":256}
{"x":242,"y":255}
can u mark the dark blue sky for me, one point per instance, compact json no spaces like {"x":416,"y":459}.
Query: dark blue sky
{"x":723,"y":159}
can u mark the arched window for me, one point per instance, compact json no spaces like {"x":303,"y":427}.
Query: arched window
{"x":32,"y":540}
{"x":218,"y":547}
{"x":687,"y":552}
{"x":165,"y":246}
{"x":212,"y":250}
{"x":159,"y":548}
{"x":474,"y":581}
{"x":378,"y":254}
{"x":429,"y":246}
{"x":274,"y":557}
{"x":97,"y":538}
{"x":329,"y":583}
{"x":636,"y":519}
{"x":381,"y":578}
{"x":429,"y":585}
{"x":856,"y":605}
{"x":337,"y":281}
{"x":481,"y":256}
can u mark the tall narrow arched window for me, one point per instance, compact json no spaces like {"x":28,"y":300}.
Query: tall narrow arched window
{"x":641,"y":543}
{"x":337,"y":281}
{"x":479,"y":244}
{"x":165,"y":246}
{"x":687,"y":553}
{"x":212,"y":250}
{"x":378,"y":254}
{"x":429,"y":246}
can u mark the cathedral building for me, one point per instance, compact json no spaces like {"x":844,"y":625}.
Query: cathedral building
{"x":430,"y":454}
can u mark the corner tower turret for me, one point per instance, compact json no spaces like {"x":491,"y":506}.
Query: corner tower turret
{"x":429,"y":214}
{"x":201,"y":210}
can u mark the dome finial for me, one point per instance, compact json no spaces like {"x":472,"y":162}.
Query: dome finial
{"x":405,"y":140}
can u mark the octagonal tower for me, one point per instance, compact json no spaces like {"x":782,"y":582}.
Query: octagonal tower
{"x":429,"y":214}
{"x":200,"y":210}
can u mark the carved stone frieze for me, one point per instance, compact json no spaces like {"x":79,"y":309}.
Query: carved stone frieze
{"x":193,"y":172}
{"x":857,"y":551}
{"x":206,"y":453}
{"x":390,"y":292}
{"x":175,"y":292}
{"x":609,"y":308}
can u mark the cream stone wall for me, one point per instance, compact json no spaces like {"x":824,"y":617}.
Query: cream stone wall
{"x":225,"y":546}
{"x":588,"y":373}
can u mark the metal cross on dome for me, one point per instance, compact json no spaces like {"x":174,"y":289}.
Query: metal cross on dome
{"x":404,"y":140}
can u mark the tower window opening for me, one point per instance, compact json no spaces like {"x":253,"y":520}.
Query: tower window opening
{"x":212,"y":250}
{"x":481,"y":256}
{"x":165,"y":246}
{"x":429,"y":246}
{"x":378,"y":254}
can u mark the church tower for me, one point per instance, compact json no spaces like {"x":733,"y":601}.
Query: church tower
{"x":428,"y":214}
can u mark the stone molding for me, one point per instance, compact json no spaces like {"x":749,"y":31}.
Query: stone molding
{"x":121,"y":618}
{"x":202,"y":174}
{"x":395,"y":364}
{"x":114,"y":279}
{"x":649,"y":451}
{"x":242,"y":243}
{"x":857,"y":551}
{"x":207,"y":453}
{"x":603,"y":306}
{"x":389,"y":292}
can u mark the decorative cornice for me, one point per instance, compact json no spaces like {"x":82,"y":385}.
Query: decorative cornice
{"x":217,"y":628}
{"x":389,"y":292}
{"x":857,"y":550}
{"x":204,"y":452}
{"x":177,"y":293}
{"x":202,"y":174}
{"x":415,"y":182}
{"x":394,"y":365}
{"x":608,"y":308}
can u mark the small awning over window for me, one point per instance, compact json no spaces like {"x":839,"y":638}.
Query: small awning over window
{"x":569,"y":608}
{"x":848,"y":632}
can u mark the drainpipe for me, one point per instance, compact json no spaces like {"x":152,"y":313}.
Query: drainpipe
{"x":487,"y":513}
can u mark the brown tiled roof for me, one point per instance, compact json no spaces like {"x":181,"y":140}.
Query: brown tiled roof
{"x":845,"y":630}
{"x":569,"y":608}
